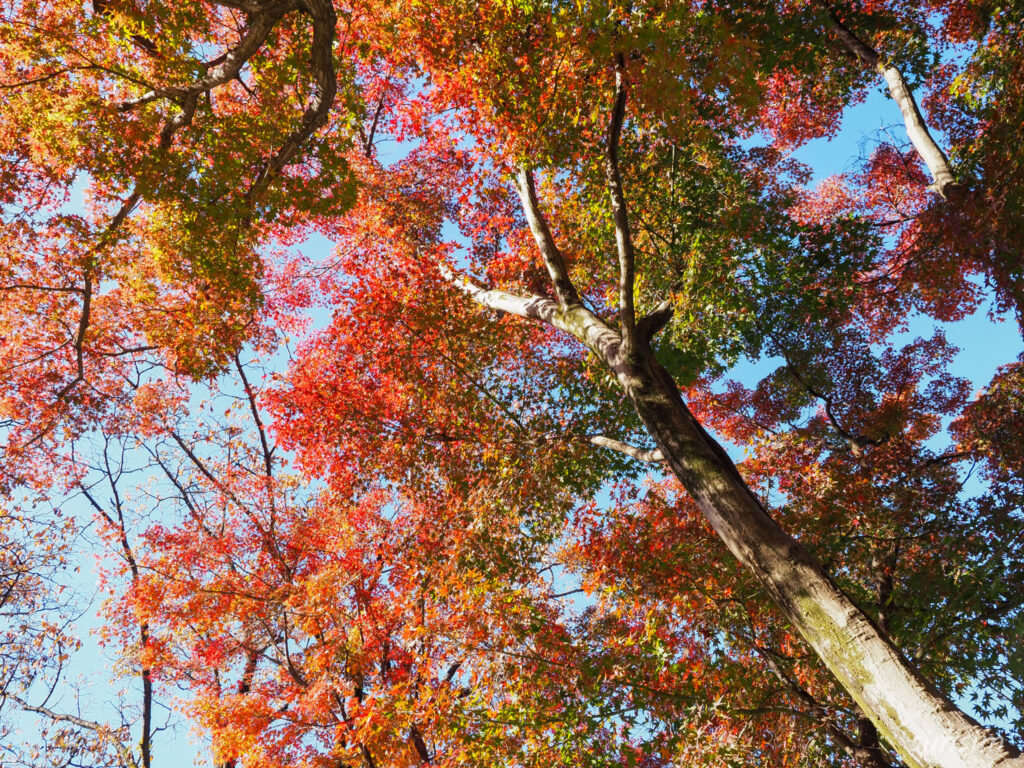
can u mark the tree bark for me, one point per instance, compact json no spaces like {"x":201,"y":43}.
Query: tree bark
{"x":921,"y":724}
{"x":925,"y":727}
{"x":945,"y":183}
{"x":910,"y":713}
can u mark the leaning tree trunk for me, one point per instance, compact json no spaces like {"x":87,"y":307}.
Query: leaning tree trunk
{"x":912,"y":715}
{"x":925,"y":727}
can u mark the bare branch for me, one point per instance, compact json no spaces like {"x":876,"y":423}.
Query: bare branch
{"x":575,"y":320}
{"x":857,"y":442}
{"x":268,"y":452}
{"x":564,"y":289}
{"x":649,"y":457}
{"x":532,"y":307}
{"x":623,"y":237}
{"x":101,"y":730}
{"x":199,"y":464}
{"x":927,"y":148}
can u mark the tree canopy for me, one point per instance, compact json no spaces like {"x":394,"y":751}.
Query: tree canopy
{"x":449,"y":494}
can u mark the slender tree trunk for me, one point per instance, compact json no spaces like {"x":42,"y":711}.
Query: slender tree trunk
{"x":912,"y":715}
{"x":146,"y":741}
{"x":927,"y":148}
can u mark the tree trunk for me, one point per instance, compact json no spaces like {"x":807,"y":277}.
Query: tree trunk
{"x":911,"y":714}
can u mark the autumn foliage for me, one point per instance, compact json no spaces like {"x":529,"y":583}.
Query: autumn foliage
{"x":291,"y":345}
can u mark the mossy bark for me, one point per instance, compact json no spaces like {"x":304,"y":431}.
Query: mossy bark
{"x":911,"y":714}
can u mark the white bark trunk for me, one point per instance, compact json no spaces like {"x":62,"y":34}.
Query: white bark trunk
{"x":917,"y":130}
{"x":945,"y":183}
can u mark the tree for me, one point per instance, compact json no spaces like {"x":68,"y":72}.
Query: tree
{"x":212,"y":134}
{"x":41,"y":604}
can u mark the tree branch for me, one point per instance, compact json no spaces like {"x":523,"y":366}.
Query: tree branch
{"x":577,"y":320}
{"x":870,"y":756}
{"x":649,"y":457}
{"x":532,"y":307}
{"x":648,"y":326}
{"x":101,"y":730}
{"x":250,"y":395}
{"x":623,"y":237}
{"x":366,"y":137}
{"x":100,"y":7}
{"x":321,"y":59}
{"x":945,"y":183}
{"x":564,"y":289}
{"x":261,"y":24}
{"x":418,"y":742}
{"x":79,"y":343}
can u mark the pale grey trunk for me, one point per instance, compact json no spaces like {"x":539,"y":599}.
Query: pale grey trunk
{"x":945,"y":183}
{"x":917,"y":130}
{"x":912,"y":715}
